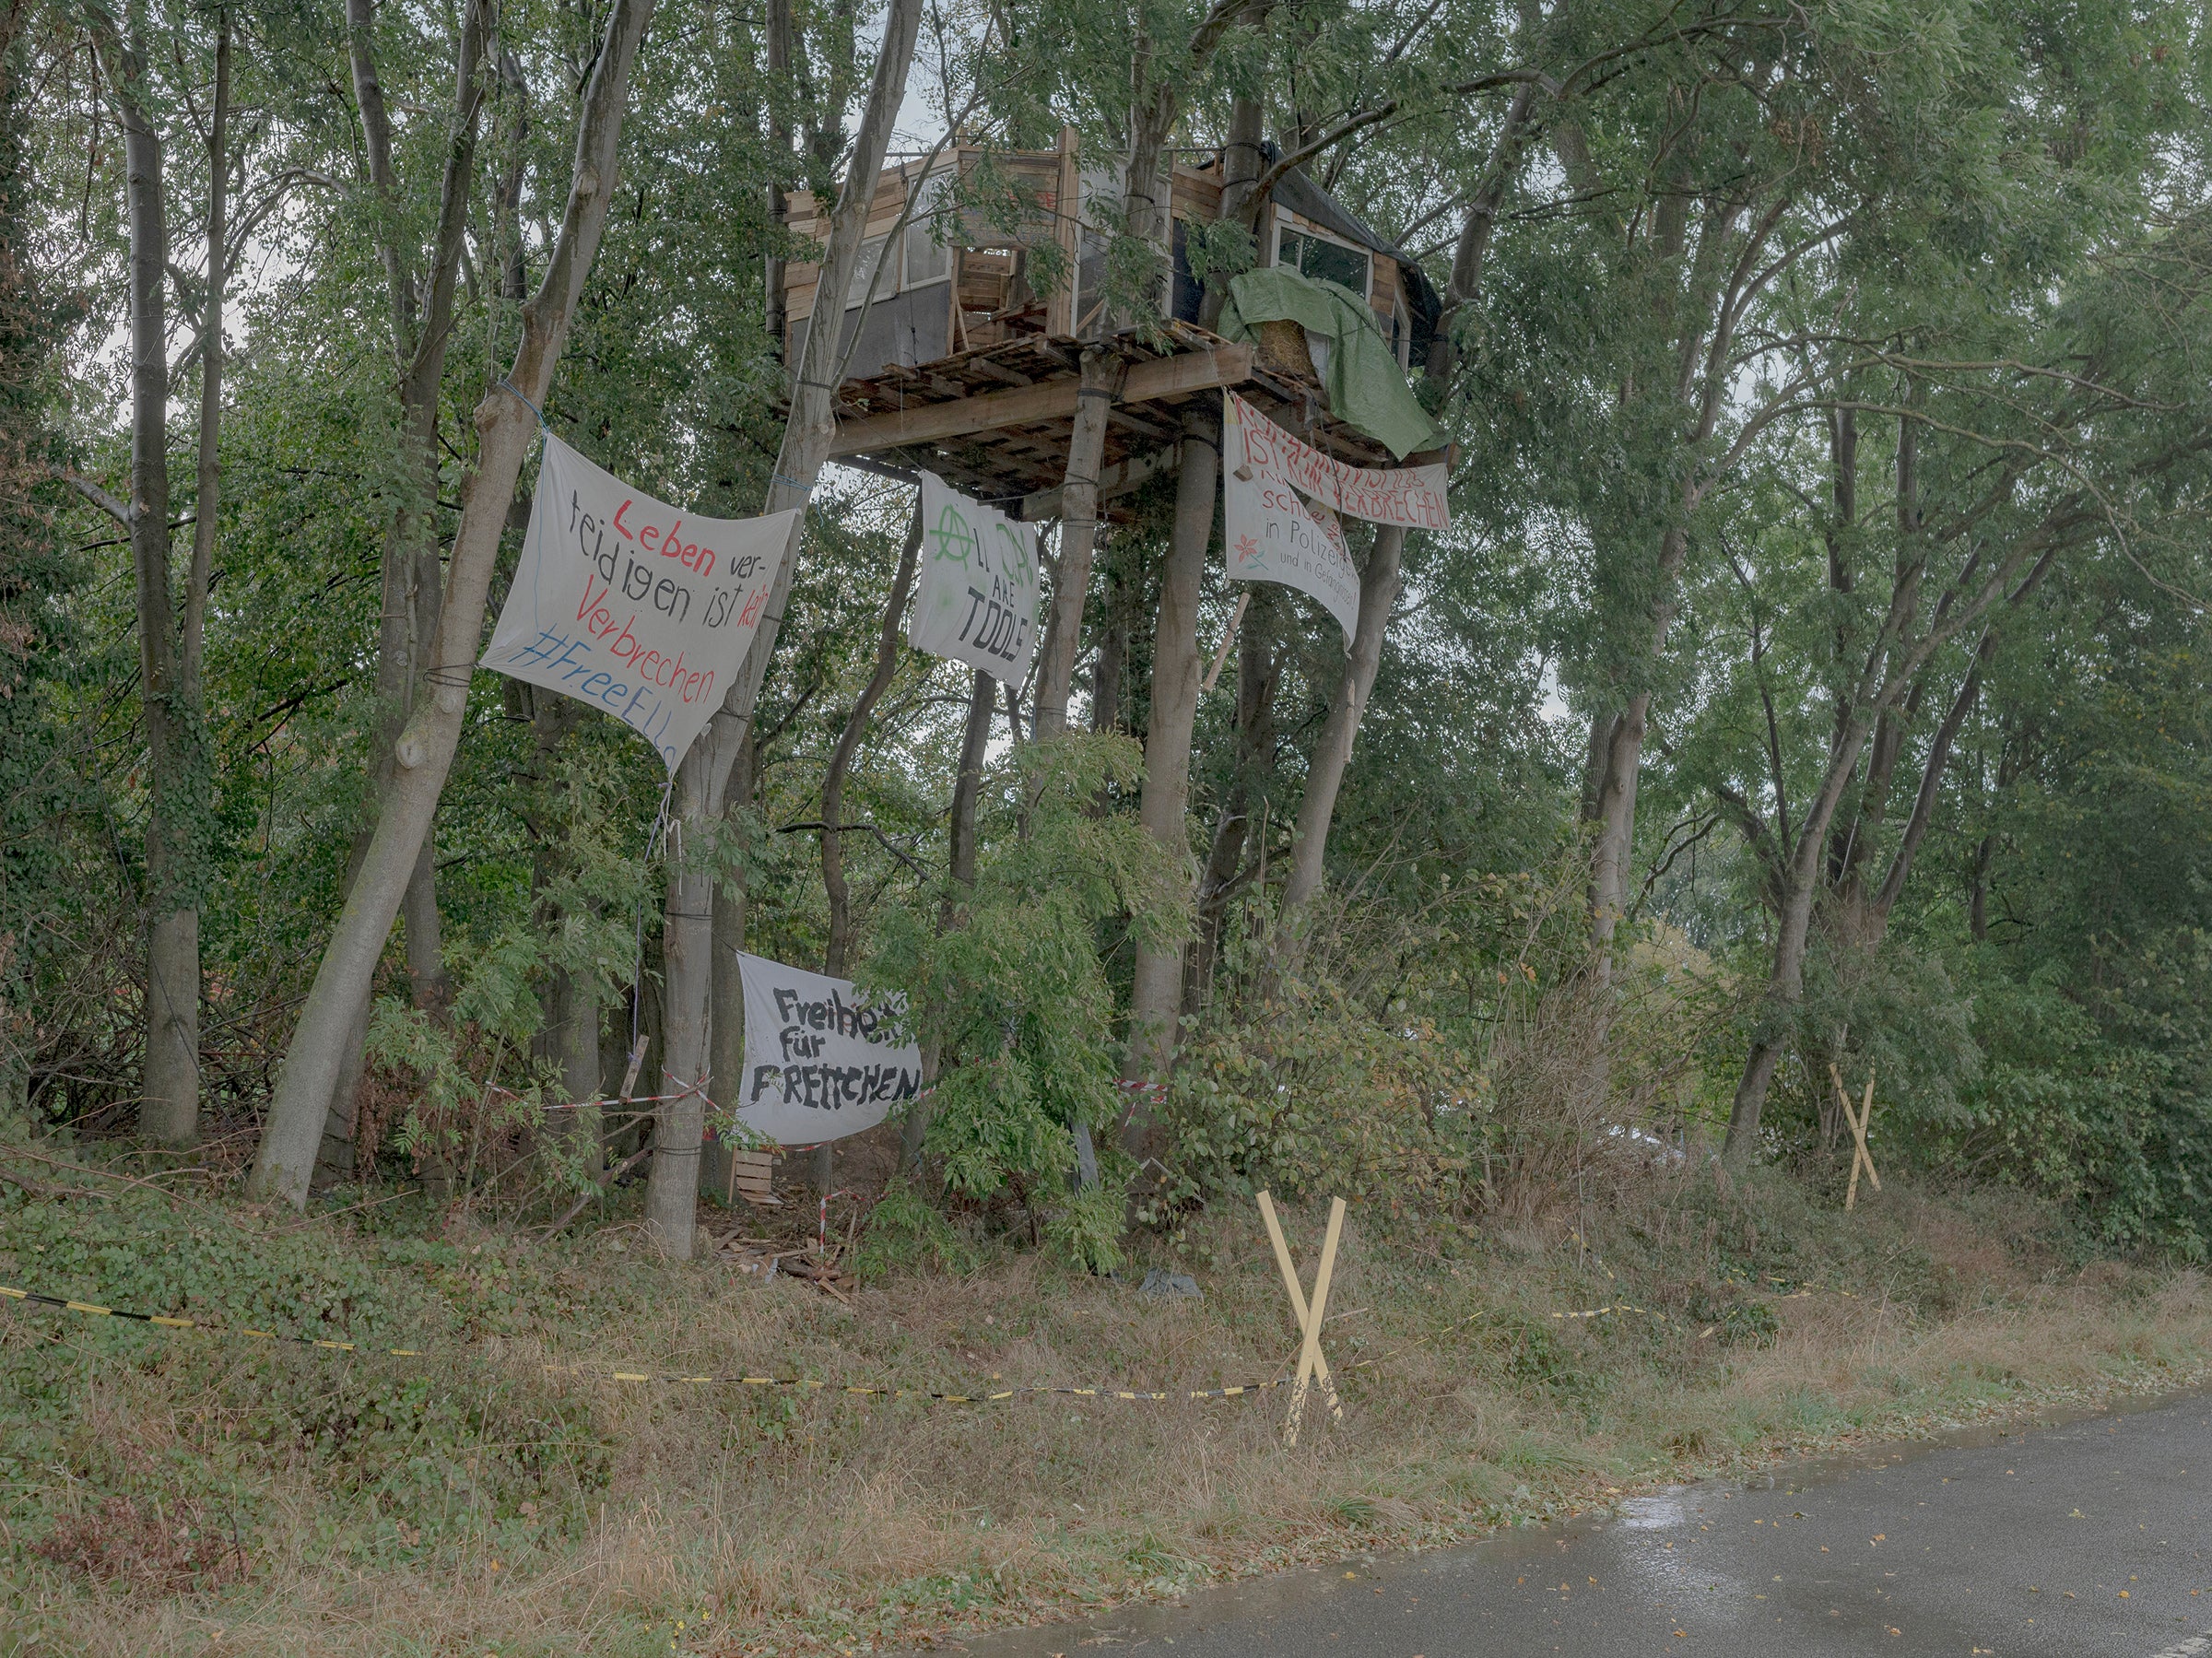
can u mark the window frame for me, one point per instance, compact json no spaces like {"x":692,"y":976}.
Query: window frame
{"x":1285,"y":228}
{"x":865,"y":281}
{"x":944,"y":181}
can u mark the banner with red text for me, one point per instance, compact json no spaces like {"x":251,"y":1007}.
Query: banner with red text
{"x":632,"y":604}
{"x":821,"y":1061}
{"x":1271,"y":535}
{"x":1412,"y":495}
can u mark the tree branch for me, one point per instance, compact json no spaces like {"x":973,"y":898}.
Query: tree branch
{"x":120,"y":512}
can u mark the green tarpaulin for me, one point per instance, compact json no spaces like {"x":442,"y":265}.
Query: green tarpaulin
{"x":1365,"y":386}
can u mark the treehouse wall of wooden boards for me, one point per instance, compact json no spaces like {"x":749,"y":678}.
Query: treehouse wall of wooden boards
{"x":958,"y":278}
{"x":965,"y":336}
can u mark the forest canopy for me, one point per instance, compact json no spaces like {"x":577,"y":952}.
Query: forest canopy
{"x":1810,"y":685}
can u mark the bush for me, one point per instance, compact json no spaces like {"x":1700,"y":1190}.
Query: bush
{"x":1014,"y":999}
{"x":1305,"y":1092}
{"x":905,"y":1233}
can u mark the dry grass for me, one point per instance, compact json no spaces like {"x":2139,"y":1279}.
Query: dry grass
{"x":809,"y":1522}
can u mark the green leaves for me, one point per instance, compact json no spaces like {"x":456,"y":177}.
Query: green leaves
{"x":1015,"y":998}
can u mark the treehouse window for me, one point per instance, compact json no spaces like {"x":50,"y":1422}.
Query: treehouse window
{"x":1323,"y":260}
{"x":863,"y":274}
{"x":926,"y":261}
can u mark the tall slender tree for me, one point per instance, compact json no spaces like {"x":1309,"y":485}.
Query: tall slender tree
{"x":702,"y":780}
{"x":423,"y":754}
{"x":178,"y":765}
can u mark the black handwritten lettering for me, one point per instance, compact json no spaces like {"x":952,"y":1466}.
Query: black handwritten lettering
{"x":829,"y":1088}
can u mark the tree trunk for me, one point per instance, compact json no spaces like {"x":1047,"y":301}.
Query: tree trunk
{"x":726,"y":1019}
{"x":1156,"y":998}
{"x":1333,"y":753}
{"x":1853,"y":839}
{"x":412,"y":577}
{"x":171,"y":1108}
{"x":572,"y":1043}
{"x":672,"y":1185}
{"x":1144,"y":209}
{"x":848,"y":743}
{"x":1472,"y":251}
{"x":1617,"y":751}
{"x":208,"y":492}
{"x":1259,"y":672}
{"x":176,"y":749}
{"x":169,"y":1114}
{"x":1616,"y":757}
{"x":568,"y":1036}
{"x":1244,"y":158}
{"x":1977,"y":892}
{"x":514,"y":263}
{"x":1100,"y":384}
{"x":686,"y":979}
{"x":335,"y":1155}
{"x":1146,"y":178}
{"x":1124,"y":593}
{"x":1938,"y":758}
{"x":1802,"y":863}
{"x":776,"y":313}
{"x":967,"y":788}
{"x":424,"y":753}
{"x":1785,"y":988}
{"x":1800,"y":881}
{"x":423,"y":369}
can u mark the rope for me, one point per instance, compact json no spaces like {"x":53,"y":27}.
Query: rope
{"x":525,"y":402}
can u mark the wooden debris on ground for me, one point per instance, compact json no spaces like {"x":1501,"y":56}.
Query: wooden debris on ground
{"x":800,"y":1258}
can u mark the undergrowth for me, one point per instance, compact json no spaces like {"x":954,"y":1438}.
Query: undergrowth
{"x":503,"y":1493}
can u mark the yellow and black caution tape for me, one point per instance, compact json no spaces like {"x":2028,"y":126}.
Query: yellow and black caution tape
{"x":808,"y":1383}
{"x":93,"y":1308}
{"x":1799,"y":1295}
{"x":805,"y":1383}
{"x":1782,"y":1293}
{"x":813,"y":1384}
{"x":1616,"y":1307}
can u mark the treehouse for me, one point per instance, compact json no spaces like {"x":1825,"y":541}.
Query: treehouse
{"x":982,"y":281}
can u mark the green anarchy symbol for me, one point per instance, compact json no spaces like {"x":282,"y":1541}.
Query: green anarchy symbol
{"x":1013,"y":557}
{"x":954,"y":540}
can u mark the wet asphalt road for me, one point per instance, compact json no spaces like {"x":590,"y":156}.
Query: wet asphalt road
{"x":2087,"y":1540}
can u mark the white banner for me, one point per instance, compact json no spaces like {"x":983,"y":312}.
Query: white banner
{"x":1415,"y":497}
{"x":820,"y":1061}
{"x":1271,"y":537}
{"x":976,"y":602}
{"x":632,"y":604}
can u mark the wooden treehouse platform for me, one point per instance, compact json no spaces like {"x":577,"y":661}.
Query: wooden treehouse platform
{"x":997,"y":421}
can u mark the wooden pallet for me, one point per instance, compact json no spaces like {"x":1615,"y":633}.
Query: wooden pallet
{"x":996,"y":421}
{"x":752,"y":1177}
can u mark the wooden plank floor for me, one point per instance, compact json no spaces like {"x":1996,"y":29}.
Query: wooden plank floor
{"x":1006,"y":463}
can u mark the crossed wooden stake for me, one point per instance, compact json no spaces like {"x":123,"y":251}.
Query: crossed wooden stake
{"x":1860,"y":1155}
{"x":1311,"y":1365}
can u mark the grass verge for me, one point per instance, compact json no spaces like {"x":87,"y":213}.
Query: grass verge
{"x":176,"y":1492}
